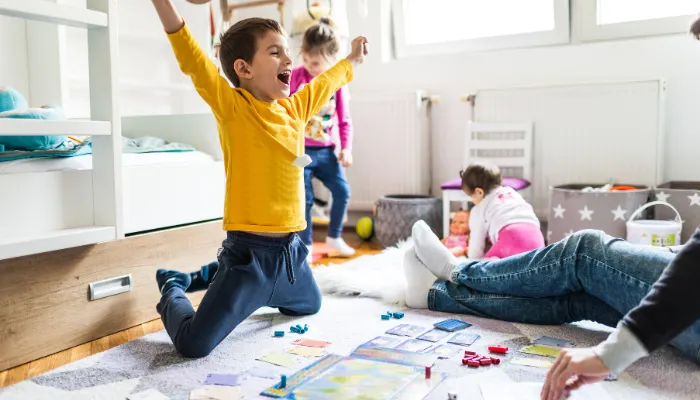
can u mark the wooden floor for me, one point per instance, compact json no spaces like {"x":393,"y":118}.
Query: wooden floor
{"x":43,"y":365}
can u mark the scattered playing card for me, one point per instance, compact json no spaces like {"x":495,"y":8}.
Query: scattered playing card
{"x":532,"y":362}
{"x":383,"y":341}
{"x":540,"y":350}
{"x":406,"y":330}
{"x":413,"y":345}
{"x":281,"y":359}
{"x":434,"y":335}
{"x":307,"y":351}
{"x":311,"y":343}
{"x":150,"y":394}
{"x":217,"y":393}
{"x":611,"y":377}
{"x":224,"y":379}
{"x":550,"y":341}
{"x":464,"y":339}
{"x":444,"y":350}
{"x":265,"y":372}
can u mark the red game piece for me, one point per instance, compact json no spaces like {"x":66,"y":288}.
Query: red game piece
{"x":464,"y":361}
{"x":427,"y":372}
{"x":469,"y":353}
{"x":498,"y":349}
{"x":485,"y":362}
{"x":474,"y":364}
{"x":495,"y":360}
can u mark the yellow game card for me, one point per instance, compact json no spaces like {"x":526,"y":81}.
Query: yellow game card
{"x":540,"y":350}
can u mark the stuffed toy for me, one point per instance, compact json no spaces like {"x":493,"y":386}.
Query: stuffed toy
{"x":13,"y":105}
{"x":458,"y":239}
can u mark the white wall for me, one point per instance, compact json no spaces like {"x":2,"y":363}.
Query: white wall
{"x":13,"y":67}
{"x":675,"y":58}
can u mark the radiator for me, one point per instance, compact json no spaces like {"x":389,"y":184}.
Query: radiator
{"x":585,"y":133}
{"x":391,"y":146}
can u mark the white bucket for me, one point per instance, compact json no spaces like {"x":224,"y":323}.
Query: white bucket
{"x":653,"y":232}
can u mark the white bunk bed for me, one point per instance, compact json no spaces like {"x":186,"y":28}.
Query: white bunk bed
{"x":47,"y":202}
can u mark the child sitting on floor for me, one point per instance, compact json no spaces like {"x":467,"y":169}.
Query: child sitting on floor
{"x":319,"y":50}
{"x":262,"y":261}
{"x":499,"y":214}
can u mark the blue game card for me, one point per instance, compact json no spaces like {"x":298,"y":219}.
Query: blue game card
{"x":383,"y":341}
{"x":464,"y":339}
{"x":434,"y":335}
{"x":550,"y":341}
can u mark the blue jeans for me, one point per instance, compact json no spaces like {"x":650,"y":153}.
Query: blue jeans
{"x":587,"y":276}
{"x":254,"y":271}
{"x":326,"y":168}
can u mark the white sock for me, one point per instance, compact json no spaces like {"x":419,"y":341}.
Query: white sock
{"x":340,"y":245}
{"x":419,"y":280}
{"x":432,"y":252}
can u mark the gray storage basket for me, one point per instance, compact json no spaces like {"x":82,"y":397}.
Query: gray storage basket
{"x":396,"y":214}
{"x":571,"y":210}
{"x":685,"y":197}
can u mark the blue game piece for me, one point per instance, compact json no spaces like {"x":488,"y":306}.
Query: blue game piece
{"x":385,"y":317}
{"x":306,"y":328}
{"x":397,"y":315}
{"x":279,"y":333}
{"x":283,"y":381}
{"x":451,"y":325}
{"x":294,"y":329}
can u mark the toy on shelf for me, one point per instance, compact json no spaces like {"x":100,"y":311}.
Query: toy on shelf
{"x":458,"y":239}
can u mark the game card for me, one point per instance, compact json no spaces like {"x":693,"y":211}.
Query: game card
{"x":265,"y":372}
{"x":217,"y":393}
{"x":464,"y":339}
{"x":307,"y":351}
{"x":406,"y":330}
{"x":550,"y":341}
{"x":444,"y":350}
{"x":383,"y":341}
{"x":311,"y":343}
{"x":540,"y":350}
{"x":434,"y":335}
{"x":281,"y":359}
{"x":413,"y":345}
{"x":224,"y":379}
{"x":532,"y":362}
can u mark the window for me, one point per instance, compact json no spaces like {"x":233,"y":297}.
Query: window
{"x":618,"y":19}
{"x":423,"y":27}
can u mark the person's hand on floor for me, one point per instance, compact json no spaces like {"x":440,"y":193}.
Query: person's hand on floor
{"x":345,"y":158}
{"x":572,"y":369}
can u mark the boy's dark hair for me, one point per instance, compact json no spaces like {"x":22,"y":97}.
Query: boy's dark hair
{"x":480,"y":175}
{"x":240,"y":42}
{"x":695,"y":29}
{"x":321,"y":39}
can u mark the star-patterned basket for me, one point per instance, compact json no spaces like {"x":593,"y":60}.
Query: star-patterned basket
{"x":685,"y":197}
{"x":571,"y":210}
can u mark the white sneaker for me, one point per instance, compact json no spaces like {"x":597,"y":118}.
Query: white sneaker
{"x":340,"y":245}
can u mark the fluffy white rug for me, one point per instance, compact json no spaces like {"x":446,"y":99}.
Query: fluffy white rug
{"x":379,"y":276}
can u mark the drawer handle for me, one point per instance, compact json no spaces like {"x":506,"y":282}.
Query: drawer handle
{"x":110,"y":287}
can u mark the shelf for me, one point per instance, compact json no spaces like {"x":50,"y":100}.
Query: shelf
{"x":46,"y":11}
{"x":63,"y":239}
{"x":37,"y":127}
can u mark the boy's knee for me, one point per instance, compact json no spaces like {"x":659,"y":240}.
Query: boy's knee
{"x":590,"y":236}
{"x":192,"y":349}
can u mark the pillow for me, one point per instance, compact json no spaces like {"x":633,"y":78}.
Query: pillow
{"x":516,"y":184}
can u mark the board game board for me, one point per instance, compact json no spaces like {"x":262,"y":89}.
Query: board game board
{"x":362,"y":376}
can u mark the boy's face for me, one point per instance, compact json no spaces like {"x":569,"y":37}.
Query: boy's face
{"x":271,"y":68}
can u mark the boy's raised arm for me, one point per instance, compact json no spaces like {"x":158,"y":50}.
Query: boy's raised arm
{"x":308,"y":101}
{"x":196,"y":64}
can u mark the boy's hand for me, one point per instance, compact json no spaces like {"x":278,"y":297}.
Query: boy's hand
{"x":571,"y":369}
{"x":345,"y":158}
{"x":359,"y":51}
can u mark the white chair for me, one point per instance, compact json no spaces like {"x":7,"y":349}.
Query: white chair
{"x":507,"y":145}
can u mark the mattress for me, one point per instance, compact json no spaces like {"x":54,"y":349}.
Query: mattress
{"x":84,"y":162}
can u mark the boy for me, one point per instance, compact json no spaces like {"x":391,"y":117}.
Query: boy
{"x":262,"y":260}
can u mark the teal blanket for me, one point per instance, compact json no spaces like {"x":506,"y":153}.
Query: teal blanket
{"x":69,"y":148}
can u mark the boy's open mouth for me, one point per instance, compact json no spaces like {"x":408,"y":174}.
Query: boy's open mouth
{"x":284,"y":77}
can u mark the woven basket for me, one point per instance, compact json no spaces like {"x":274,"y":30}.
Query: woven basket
{"x":396,"y":214}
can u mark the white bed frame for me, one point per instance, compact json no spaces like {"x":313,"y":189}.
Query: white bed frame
{"x":49,"y":211}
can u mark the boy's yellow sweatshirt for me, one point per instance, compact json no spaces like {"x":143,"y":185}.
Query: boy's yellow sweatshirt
{"x":260,"y":140}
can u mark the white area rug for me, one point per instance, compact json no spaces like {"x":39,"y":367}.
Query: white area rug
{"x":151,"y":362}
